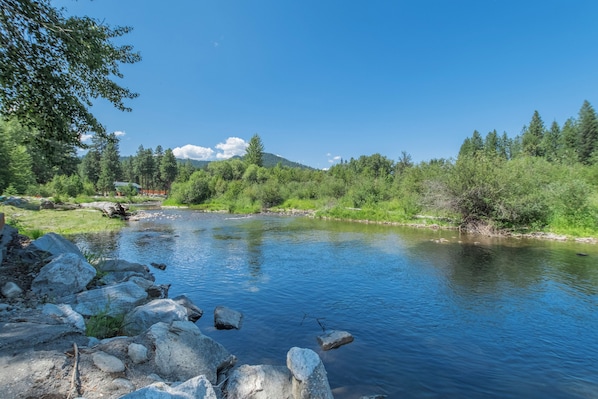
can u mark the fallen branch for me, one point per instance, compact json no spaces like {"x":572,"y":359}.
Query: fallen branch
{"x":75,"y":380}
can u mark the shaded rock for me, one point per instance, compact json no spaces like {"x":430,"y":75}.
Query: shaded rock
{"x":143,"y":317}
{"x":107,"y":363}
{"x":137,"y":353}
{"x":309,"y":375}
{"x":7,"y":234}
{"x":121,"y":277}
{"x":333,"y":339}
{"x":260,"y":382}
{"x":159,"y":266}
{"x":158,"y":291}
{"x":195,"y":388}
{"x":56,"y":244}
{"x":29,"y":334}
{"x":66,"y":274}
{"x":194,"y":313}
{"x":66,"y":314}
{"x":182,"y":352}
{"x":11,"y":290}
{"x":120,"y":265}
{"x":46,"y":204}
{"x":227,"y":319}
{"x":114,"y":299}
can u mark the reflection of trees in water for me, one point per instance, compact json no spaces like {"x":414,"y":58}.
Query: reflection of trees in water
{"x":255,"y":256}
{"x":489,"y":267}
{"x":100,"y":244}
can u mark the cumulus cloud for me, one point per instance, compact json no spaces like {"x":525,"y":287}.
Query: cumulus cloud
{"x":193,"y":152}
{"x":233,"y":146}
{"x":119,"y":133}
{"x":86,"y":137}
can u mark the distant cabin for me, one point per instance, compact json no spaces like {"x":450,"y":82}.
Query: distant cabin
{"x":119,"y":184}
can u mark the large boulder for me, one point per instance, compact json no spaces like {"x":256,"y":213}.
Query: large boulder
{"x":195,"y":388}
{"x":183,"y":352}
{"x":56,"y":245}
{"x":112,"y":300}
{"x":7,"y":234}
{"x":143,"y":317}
{"x":65,"y":314}
{"x":260,"y":382}
{"x":309,"y":375}
{"x":68,"y":273}
{"x":120,"y":265}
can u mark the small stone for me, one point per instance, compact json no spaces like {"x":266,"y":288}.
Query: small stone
{"x":227,"y":319}
{"x":11,"y":290}
{"x":333,"y":339}
{"x":108,"y":363}
{"x":137,"y":353}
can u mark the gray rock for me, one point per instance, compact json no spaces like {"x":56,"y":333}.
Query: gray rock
{"x":120,"y":265}
{"x":107,"y":363}
{"x":333,"y":339}
{"x":7,"y":234}
{"x":56,"y":245}
{"x":143,"y":317}
{"x":114,"y":299}
{"x":193,"y":312}
{"x":158,"y":291}
{"x":137,"y":353}
{"x":182,"y":352}
{"x":195,"y":388}
{"x":121,"y":277}
{"x":227,"y":319}
{"x":66,"y":274}
{"x":66,"y":314}
{"x":260,"y":382}
{"x":11,"y":290}
{"x":309,"y":375}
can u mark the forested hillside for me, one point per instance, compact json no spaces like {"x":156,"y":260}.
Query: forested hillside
{"x":544,"y":179}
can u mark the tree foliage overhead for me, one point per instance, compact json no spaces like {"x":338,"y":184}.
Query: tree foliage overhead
{"x":52,"y":68}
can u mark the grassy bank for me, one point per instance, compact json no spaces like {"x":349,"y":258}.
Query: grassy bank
{"x":34,"y":222}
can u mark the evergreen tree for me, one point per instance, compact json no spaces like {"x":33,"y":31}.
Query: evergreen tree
{"x":533,"y":135}
{"x":109,"y":165}
{"x":551,"y":141}
{"x":255,"y":151}
{"x":491,"y":143}
{"x":587,"y":133}
{"x":569,"y":142}
{"x":168,"y":168}
{"x":157,"y":178}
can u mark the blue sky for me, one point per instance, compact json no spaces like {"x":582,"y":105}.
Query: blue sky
{"x":321,"y":80}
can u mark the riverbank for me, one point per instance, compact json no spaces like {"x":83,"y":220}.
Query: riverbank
{"x":48,"y":350}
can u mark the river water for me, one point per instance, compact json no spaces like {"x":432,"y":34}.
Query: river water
{"x":434,"y":314}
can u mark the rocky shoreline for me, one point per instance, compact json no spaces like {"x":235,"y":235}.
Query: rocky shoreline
{"x":50,"y":293}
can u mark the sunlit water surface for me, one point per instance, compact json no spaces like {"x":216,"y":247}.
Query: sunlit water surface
{"x":469,"y":318}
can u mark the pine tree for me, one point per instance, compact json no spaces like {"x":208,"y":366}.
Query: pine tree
{"x":168,"y":168}
{"x":551,"y":141}
{"x":587,"y":133}
{"x":255,"y":151}
{"x":532,"y":136}
{"x":109,"y":165}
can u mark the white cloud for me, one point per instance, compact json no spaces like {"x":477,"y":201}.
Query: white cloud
{"x":119,"y":133}
{"x":334,"y":159}
{"x":233,"y":146}
{"x":86,"y":137}
{"x":193,"y":152}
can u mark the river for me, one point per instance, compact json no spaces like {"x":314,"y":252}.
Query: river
{"x":434,"y":313}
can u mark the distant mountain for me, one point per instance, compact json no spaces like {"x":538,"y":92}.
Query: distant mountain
{"x":270,"y":161}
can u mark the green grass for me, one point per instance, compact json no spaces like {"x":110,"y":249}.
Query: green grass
{"x":34,"y":222}
{"x":104,"y":326}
